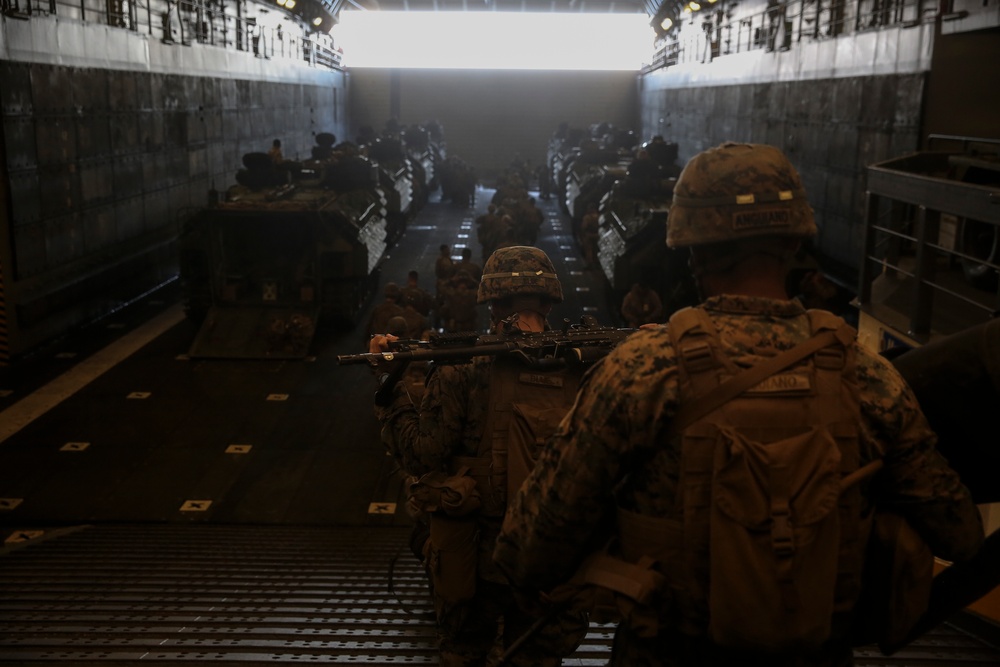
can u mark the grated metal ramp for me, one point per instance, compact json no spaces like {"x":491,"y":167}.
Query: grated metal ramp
{"x":121,"y":594}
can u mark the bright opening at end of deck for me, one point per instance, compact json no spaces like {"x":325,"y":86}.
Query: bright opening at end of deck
{"x":494,"y":40}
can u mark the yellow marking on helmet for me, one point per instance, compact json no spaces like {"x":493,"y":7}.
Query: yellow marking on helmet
{"x":785,"y":195}
{"x":744,"y":199}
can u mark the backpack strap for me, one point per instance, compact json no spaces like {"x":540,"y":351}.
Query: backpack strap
{"x":698,"y":348}
{"x":706,"y":403}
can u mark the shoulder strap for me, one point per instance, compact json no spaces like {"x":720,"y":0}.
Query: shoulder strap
{"x":701,"y":406}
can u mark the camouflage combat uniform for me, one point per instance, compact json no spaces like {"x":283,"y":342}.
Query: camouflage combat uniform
{"x":621,"y":417}
{"x":640,"y":306}
{"x":451,"y":422}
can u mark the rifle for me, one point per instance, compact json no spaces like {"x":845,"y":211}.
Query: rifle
{"x":582,"y":343}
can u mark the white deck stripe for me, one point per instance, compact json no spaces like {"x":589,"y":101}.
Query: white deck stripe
{"x":36,"y":404}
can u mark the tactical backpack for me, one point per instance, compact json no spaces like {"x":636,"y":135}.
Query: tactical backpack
{"x":527,"y":402}
{"x":768,"y":512}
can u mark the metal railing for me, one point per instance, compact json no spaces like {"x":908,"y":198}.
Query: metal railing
{"x":928,"y":226}
{"x":190,"y":22}
{"x":717,"y":30}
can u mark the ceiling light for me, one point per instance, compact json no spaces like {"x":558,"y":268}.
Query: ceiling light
{"x":317,"y":21}
{"x":666,"y":23}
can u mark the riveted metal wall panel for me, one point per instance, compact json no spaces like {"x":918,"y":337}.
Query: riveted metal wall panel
{"x":177,"y":166}
{"x":15,"y":93}
{"x":813,"y":143}
{"x":776,"y":132}
{"x":63,"y":239}
{"x":90,"y":89}
{"x":250,"y":125}
{"x":157,"y":83}
{"x":125,"y":134}
{"x":190,"y":90}
{"x":24,"y":197}
{"x":759,"y":128}
{"x":154,"y":171}
{"x":96,"y":182}
{"x":55,"y":140}
{"x":171,"y":93}
{"x":174,"y":129}
{"x":128,"y":176}
{"x":29,"y":250}
{"x":151,"y":130}
{"x":908,"y":91}
{"x":778,"y":99}
{"x":843,"y":147}
{"x":268,"y":95}
{"x":874,"y":145}
{"x":99,"y":230}
{"x":128,"y":217}
{"x":797,"y":104}
{"x":19,"y":142}
{"x":194,"y":127}
{"x":144,"y":83}
{"x":52,"y":89}
{"x":229,"y":91}
{"x":197,"y":166}
{"x":93,"y":135}
{"x":846,"y":100}
{"x":158,"y":209}
{"x":761,"y":108}
{"x":212,"y":123}
{"x":211,"y":93}
{"x":299,"y":96}
{"x":59,"y":188}
{"x":244,"y":95}
{"x":123,"y":95}
{"x":878,"y":102}
{"x":218,"y":167}
{"x":796,"y":142}
{"x":820,"y":97}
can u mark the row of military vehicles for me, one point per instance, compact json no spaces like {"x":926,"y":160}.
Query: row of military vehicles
{"x":930,"y":254}
{"x":295,"y":243}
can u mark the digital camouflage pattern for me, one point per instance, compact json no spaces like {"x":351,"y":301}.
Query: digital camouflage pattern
{"x":612,"y":450}
{"x":518,"y":271}
{"x":737,"y":191}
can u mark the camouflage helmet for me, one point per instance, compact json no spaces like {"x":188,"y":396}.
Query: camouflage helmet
{"x":737,"y":191}
{"x":519,"y":271}
{"x":392,"y":291}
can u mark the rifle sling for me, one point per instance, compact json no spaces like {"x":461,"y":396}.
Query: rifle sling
{"x":736,"y":385}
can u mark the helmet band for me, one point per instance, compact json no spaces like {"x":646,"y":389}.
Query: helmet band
{"x":739,"y":200}
{"x":520,"y":274}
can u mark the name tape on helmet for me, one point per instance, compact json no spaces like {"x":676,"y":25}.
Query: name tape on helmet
{"x":761,"y":219}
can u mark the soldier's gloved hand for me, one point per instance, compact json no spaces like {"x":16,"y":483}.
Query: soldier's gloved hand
{"x":380,"y":343}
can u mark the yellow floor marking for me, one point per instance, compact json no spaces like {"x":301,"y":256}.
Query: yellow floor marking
{"x":33,"y":406}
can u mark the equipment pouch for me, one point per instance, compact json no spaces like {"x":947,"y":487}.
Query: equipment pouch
{"x":452,"y":559}
{"x":454,"y":495}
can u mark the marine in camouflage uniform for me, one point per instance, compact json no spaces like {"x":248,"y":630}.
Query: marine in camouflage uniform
{"x":385,"y":311}
{"x":614,"y":452}
{"x":446,"y":431}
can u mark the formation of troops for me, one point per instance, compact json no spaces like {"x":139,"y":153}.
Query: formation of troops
{"x":512,"y":219}
{"x":746,"y":454}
